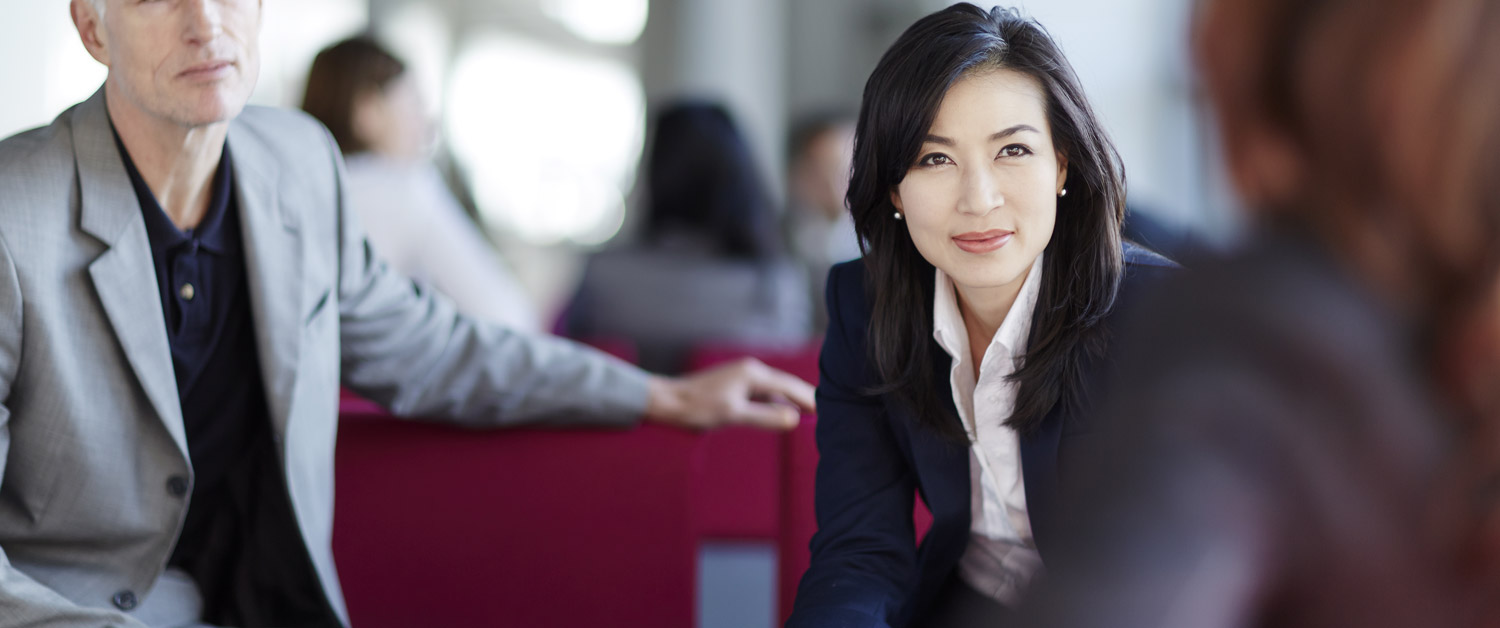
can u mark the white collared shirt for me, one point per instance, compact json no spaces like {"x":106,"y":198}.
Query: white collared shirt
{"x":1001,"y":557}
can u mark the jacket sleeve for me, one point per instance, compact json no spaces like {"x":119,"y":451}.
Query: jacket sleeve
{"x":864,"y":552}
{"x":23,"y":600}
{"x":410,"y":350}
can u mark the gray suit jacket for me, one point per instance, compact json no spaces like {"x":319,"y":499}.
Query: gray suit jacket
{"x":90,"y":423}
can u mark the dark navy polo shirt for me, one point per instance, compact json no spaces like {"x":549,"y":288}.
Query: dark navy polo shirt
{"x":239,"y":540}
{"x":206,"y":303}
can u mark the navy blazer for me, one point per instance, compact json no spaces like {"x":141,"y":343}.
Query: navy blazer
{"x":867,"y":569}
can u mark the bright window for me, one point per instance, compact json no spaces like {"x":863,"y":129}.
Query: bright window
{"x":551,"y":139}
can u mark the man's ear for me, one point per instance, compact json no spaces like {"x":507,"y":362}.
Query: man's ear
{"x":90,"y":30}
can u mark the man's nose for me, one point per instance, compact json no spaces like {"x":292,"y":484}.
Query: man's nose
{"x":203,"y":20}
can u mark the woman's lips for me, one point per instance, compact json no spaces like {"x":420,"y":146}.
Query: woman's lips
{"x":983,"y":242}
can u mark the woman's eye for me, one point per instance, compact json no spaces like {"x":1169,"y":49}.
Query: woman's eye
{"x":1015,"y":150}
{"x":935,"y":159}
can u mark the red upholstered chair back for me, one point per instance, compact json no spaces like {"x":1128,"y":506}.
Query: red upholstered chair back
{"x":439,"y":526}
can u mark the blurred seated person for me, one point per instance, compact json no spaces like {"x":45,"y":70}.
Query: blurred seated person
{"x":708,"y":267}
{"x":819,"y":228}
{"x":372,"y":105}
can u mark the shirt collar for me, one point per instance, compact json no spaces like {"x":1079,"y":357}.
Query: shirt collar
{"x":948,"y":324}
{"x":210,"y":234}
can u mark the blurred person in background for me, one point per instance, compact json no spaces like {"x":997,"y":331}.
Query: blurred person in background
{"x":819,"y":228}
{"x":372,"y":106}
{"x":964,"y":348}
{"x":708,"y":267}
{"x":1314,"y":421}
{"x":182,"y":291}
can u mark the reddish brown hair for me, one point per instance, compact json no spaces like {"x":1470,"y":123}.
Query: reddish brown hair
{"x":342,"y":74}
{"x":1386,"y":114}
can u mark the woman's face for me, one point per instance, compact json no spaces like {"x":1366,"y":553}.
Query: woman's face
{"x":393,"y":121}
{"x":981,"y":200}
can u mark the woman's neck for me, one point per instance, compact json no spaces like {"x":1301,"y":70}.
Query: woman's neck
{"x":983,"y":311}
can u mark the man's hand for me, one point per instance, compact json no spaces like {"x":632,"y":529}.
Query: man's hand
{"x":745,"y":392}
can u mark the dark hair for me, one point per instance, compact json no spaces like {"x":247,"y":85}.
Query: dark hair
{"x":1084,"y":262}
{"x":340,"y":75}
{"x":702,"y":179}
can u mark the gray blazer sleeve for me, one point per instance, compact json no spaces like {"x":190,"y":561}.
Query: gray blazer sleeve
{"x":407,"y":348}
{"x":23,"y":600}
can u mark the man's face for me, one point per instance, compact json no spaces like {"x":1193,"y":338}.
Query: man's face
{"x":188,"y":62}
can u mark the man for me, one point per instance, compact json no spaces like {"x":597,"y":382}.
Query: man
{"x":182,"y":292}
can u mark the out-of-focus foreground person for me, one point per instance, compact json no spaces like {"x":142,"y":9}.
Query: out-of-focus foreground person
{"x":182,"y":291}
{"x":709,"y":265}
{"x":819,"y":228}
{"x":1318,"y":416}
{"x":964,"y":347}
{"x":371,"y":105}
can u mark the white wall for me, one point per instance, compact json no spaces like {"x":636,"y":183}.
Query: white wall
{"x":43,"y":67}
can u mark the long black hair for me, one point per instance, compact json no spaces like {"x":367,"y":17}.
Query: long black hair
{"x":1084,"y":262}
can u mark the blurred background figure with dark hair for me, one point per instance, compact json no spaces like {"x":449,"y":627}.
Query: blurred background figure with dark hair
{"x":708,"y":265}
{"x":373,"y":108}
{"x":819,"y":227}
{"x":1315,"y":421}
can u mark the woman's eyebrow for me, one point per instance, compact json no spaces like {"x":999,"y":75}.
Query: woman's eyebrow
{"x":938,"y":139}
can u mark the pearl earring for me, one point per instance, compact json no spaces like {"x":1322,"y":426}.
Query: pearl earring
{"x":898,"y":216}
{"x":1063,"y":193}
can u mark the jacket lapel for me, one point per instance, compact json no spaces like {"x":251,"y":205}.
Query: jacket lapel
{"x":124,"y":275}
{"x":273,"y":259}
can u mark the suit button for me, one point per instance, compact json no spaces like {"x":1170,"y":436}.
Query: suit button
{"x":125,"y":600}
{"x":177,"y":486}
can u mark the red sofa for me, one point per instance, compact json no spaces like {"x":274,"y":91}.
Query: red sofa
{"x":437,"y":526}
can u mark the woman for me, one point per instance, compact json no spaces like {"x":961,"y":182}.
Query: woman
{"x":709,"y":266}
{"x":372,"y":106}
{"x":1316,"y":434}
{"x":963,"y":348}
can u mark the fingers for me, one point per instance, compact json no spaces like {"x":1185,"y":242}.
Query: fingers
{"x":746,"y":392}
{"x":767,"y":381}
{"x":770,"y":416}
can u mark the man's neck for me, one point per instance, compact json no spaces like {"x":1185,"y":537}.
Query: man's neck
{"x":176,"y":162}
